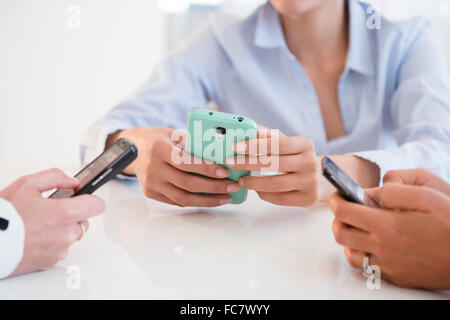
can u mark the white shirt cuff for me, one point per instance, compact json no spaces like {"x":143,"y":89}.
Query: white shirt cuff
{"x":12,"y":240}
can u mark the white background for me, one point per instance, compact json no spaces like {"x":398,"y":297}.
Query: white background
{"x":56,"y":81}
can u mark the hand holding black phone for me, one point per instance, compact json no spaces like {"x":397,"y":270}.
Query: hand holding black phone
{"x":104,"y":168}
{"x":345,"y":185}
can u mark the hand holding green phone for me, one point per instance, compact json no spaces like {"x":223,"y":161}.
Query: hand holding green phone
{"x":212,"y":135}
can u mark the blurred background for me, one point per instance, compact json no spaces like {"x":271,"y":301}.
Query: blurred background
{"x":64,"y":63}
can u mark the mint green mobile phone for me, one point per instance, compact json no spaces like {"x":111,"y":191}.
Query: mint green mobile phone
{"x":212,"y":135}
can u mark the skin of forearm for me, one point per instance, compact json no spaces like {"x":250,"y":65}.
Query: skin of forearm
{"x":363,"y":172}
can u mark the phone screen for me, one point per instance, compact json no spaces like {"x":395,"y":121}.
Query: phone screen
{"x":348,"y":188}
{"x":93,"y":170}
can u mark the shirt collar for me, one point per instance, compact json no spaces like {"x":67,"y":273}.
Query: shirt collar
{"x":269,"y":34}
{"x":361,"y":47}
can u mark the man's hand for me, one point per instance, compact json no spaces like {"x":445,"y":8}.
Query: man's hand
{"x":409,"y":239}
{"x":51,"y":226}
{"x":166,"y":179}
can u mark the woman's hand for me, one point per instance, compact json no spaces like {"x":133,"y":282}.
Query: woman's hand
{"x":170,"y":175}
{"x":273,"y":151}
{"x":51,"y":225}
{"x":417,"y":177}
{"x":409,"y":239}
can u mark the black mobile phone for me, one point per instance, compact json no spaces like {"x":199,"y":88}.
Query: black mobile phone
{"x":104,"y":168}
{"x":346,"y":187}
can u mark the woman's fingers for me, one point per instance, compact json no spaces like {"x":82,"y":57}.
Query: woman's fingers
{"x":274,"y":145}
{"x":279,"y":183}
{"x":405,"y":197}
{"x":179,"y":138}
{"x":417,"y":177}
{"x":290,"y":198}
{"x":159,"y":197}
{"x":274,"y":163}
{"x":354,"y":238}
{"x":181,"y":160}
{"x":195,"y":183}
{"x":356,"y":258}
{"x":361,"y":217}
{"x":184,"y":198}
{"x":374,"y":193}
{"x":286,"y":154}
{"x":264,"y":132}
{"x":171,"y":178}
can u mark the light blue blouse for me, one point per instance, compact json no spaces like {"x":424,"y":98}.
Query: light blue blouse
{"x":394,"y":94}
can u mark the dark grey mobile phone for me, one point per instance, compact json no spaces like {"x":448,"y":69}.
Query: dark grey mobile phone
{"x":104,"y":168}
{"x":346,"y":187}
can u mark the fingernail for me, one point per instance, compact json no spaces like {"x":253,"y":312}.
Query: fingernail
{"x":240,"y":147}
{"x":225,"y":201}
{"x":233,"y":188}
{"x":222,"y":173}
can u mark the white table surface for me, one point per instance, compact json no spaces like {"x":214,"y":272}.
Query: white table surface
{"x":142,"y":249}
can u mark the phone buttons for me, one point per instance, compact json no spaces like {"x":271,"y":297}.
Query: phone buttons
{"x":97,"y":181}
{"x":101,"y":177}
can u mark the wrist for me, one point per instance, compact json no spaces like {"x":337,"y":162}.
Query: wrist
{"x":363,"y":172}
{"x":130,"y":135}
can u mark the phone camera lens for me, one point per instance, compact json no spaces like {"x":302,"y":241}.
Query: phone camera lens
{"x":240,"y":119}
{"x":210,"y":113}
{"x":221,"y":130}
